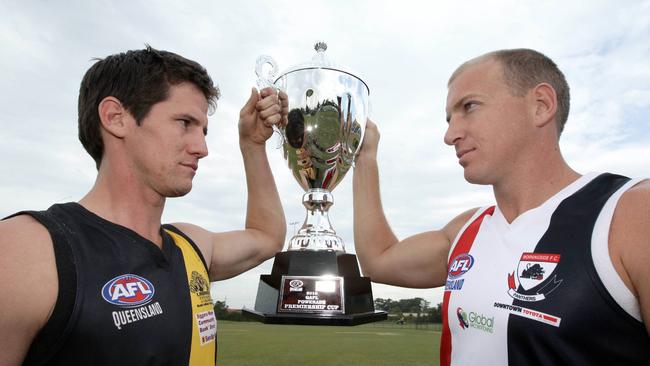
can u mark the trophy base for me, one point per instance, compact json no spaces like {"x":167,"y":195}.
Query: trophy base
{"x":315,"y":288}
{"x":315,"y":319}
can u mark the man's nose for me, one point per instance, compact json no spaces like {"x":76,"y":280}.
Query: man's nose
{"x":454,"y":132}
{"x":199,"y":147}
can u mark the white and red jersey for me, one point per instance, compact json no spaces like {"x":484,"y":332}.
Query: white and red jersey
{"x":542,"y":290}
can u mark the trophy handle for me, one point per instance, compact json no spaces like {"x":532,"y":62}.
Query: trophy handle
{"x":265,"y":79}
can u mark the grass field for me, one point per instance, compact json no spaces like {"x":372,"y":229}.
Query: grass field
{"x":253,"y":344}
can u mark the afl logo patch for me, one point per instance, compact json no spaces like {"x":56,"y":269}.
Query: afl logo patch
{"x":459,"y":265}
{"x":128,"y":290}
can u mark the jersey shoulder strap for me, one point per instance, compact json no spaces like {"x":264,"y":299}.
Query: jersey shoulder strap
{"x":204,"y":322}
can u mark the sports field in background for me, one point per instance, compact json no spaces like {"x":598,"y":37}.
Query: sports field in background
{"x":253,"y":344}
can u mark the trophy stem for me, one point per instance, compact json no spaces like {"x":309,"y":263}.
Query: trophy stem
{"x":316,"y":232}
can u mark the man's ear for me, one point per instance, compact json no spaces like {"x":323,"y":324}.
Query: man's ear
{"x":113,"y":116}
{"x":545,"y":104}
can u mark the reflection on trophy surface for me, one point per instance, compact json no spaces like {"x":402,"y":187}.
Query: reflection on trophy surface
{"x":315,"y":281}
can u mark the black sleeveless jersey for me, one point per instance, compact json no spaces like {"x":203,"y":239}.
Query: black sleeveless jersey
{"x":122,"y":300}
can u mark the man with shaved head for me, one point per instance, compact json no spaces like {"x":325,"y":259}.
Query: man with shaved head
{"x":555,"y":272}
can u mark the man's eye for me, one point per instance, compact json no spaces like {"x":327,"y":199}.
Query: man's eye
{"x":184,"y":122}
{"x":470,"y":105}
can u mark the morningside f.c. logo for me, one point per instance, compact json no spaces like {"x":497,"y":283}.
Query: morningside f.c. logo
{"x":535,"y":276}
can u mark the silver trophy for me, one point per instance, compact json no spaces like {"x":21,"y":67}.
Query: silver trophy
{"x":315,"y":281}
{"x":328,"y":108}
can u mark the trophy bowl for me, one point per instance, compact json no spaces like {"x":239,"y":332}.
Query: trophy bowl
{"x":315,"y":281}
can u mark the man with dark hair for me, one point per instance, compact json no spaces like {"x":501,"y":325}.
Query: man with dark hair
{"x":556,"y":272}
{"x":121,"y":76}
{"x":101,"y":281}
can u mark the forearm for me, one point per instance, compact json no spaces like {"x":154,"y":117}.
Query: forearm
{"x":264,"y":209}
{"x":372,"y":233}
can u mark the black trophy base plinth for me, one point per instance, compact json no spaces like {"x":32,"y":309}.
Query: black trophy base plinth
{"x":315,"y":288}
{"x":316,"y":319}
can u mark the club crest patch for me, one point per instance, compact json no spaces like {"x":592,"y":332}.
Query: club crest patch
{"x":533,"y":279}
{"x":200,"y":287}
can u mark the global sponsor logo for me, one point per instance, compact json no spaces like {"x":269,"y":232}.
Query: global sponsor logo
{"x":124,"y":317}
{"x":530,"y":314}
{"x":475,"y":320}
{"x":128,"y":290}
{"x":462,"y":318}
{"x":534,"y":279}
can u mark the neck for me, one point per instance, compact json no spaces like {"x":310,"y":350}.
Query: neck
{"x":125,"y":201}
{"x":529,"y":187}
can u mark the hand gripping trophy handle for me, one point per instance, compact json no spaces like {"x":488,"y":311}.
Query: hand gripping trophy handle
{"x":265,"y":78}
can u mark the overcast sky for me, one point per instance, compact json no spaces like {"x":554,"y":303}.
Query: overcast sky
{"x":404,"y":50}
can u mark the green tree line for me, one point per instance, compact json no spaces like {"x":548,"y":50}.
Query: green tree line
{"x":422,"y":308}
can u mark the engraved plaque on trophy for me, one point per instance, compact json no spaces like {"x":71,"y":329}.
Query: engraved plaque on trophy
{"x":315,"y":281}
{"x":311,"y":294}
